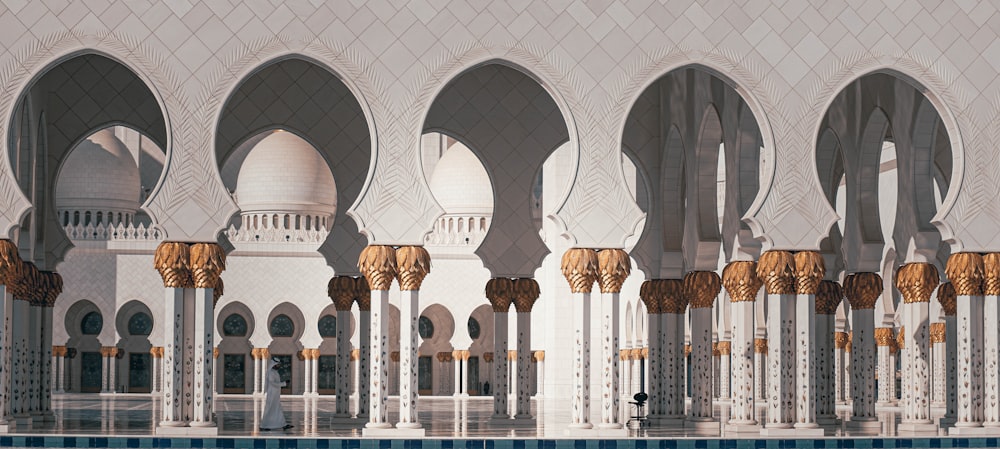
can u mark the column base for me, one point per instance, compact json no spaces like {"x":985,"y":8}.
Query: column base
{"x":974,"y":431}
{"x":596,"y":432}
{"x":778,"y":431}
{"x":920,"y":429}
{"x":703,"y":424}
{"x":577,"y":427}
{"x":392,"y":432}
{"x":827,"y":421}
{"x":7,"y":426}
{"x":524,"y":420}
{"x":183,"y":430}
{"x":23,"y":422}
{"x":872,"y":425}
{"x":666,"y":421}
{"x":991,"y":424}
{"x":741,"y":428}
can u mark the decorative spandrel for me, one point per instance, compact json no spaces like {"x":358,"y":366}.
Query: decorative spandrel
{"x":328,"y":326}
{"x":92,"y":323}
{"x":282,"y":326}
{"x":140,"y":324}
{"x":234,"y":326}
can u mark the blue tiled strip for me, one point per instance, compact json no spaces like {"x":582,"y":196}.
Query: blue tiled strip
{"x":323,"y":443}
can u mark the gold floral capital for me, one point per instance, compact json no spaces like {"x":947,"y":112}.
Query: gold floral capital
{"x":916,"y":282}
{"x":760,"y":345}
{"x":901,"y":338}
{"x":777,"y":270}
{"x":701,"y":288}
{"x":342,"y":290}
{"x":218,"y":291}
{"x":580,"y":268}
{"x":741,"y":281}
{"x":883,"y":336}
{"x":10,"y":262}
{"x":538,"y":355}
{"x":840,"y":340}
{"x":725,"y":347}
{"x":965,"y":271}
{"x":938,"y":332}
{"x":649,"y":297}
{"x":525,"y":293}
{"x":412,"y":265}
{"x":500,"y":291}
{"x":671,"y":295}
{"x":362,"y":294}
{"x":614,"y":266}
{"x":173,"y":261}
{"x":828,"y":297}
{"x":208,"y":261}
{"x":687,"y":349}
{"x":947,"y":297}
{"x":991,"y":274}
{"x":862,"y":290}
{"x":488,"y":357}
{"x":809,"y":271}
{"x":378,"y":264}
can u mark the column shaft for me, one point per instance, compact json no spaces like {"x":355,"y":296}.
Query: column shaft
{"x":883,"y":370}
{"x":6,"y":338}
{"x":780,"y":360}
{"x":343,"y":385}
{"x":805,"y":330}
{"x":863,"y":365}
{"x":824,"y":359}
{"x":523,"y":395}
{"x":203,"y":357}
{"x":991,"y":361}
{"x":724,"y":371}
{"x":173,"y":351}
{"x":701,"y":363}
{"x":580,"y":417}
{"x":364,"y":379}
{"x":500,"y":380}
{"x":379,"y":371}
{"x":970,"y":361}
{"x":742,"y":405}
{"x":916,"y":366}
{"x":659,"y":368}
{"x":672,"y":359}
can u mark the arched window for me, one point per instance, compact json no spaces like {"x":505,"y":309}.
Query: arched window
{"x":473,"y":328}
{"x":328,"y":326}
{"x":92,"y":323}
{"x":425,"y":327}
{"x":282,"y":326}
{"x":140,"y":324}
{"x":234,"y":326}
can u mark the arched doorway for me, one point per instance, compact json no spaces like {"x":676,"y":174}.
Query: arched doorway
{"x":134,"y":322}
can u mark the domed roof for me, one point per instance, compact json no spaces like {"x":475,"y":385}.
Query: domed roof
{"x":284,"y":173}
{"x":99,"y":174}
{"x":460,"y":183}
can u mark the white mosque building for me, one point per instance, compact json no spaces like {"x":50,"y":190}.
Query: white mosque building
{"x":718,"y":205}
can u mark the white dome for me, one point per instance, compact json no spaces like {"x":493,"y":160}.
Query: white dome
{"x":99,"y":174}
{"x":284,"y":173}
{"x":460,"y":183}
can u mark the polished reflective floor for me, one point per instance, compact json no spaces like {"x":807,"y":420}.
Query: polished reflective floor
{"x":442,"y":417}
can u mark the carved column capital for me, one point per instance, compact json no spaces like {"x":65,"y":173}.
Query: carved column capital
{"x":947,"y":297}
{"x":378,"y":264}
{"x":614,"y":266}
{"x":840,"y":340}
{"x":525,"y":293}
{"x":215,"y":352}
{"x":342,"y":290}
{"x":809,"y":271}
{"x":938,"y":332}
{"x":883,"y":336}
{"x":23,"y":287}
{"x":965,"y":271}
{"x":777,"y":270}
{"x":499,"y":292}
{"x":671,"y":295}
{"x":850,"y":342}
{"x":916,"y":282}
{"x":157,"y":352}
{"x":218,"y":291}
{"x":539,"y":356}
{"x":356,"y":354}
{"x":715,"y":349}
{"x":901,"y":338}
{"x":991,"y":274}
{"x":208,"y":261}
{"x":10,"y":262}
{"x":649,"y":297}
{"x":701,"y":288}
{"x":488,"y":357}
{"x":687,"y":349}
{"x":580,"y":268}
{"x":362,"y":294}
{"x":741,"y":281}
{"x":760,"y":345}
{"x":412,"y":264}
{"x":173,"y":261}
{"x":828,"y":297}
{"x":862,"y":290}
{"x":511,"y":354}
{"x":725,"y":347}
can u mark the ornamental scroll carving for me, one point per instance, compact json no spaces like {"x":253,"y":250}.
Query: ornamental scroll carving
{"x":916,"y":282}
{"x":525,"y":293}
{"x":615,"y":266}
{"x":965,"y":271}
{"x":862,"y":290}
{"x":701,"y":288}
{"x":499,"y":292}
{"x":412,"y":265}
{"x":580,"y":268}
{"x":809,"y":271}
{"x":378,"y":264}
{"x":741,"y":281}
{"x":947,"y":297}
{"x":342,"y":290}
{"x":671,"y":294}
{"x":777,"y":270}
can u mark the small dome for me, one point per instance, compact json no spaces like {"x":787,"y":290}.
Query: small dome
{"x":99,"y":174}
{"x":460,"y":183}
{"x":284,"y":173}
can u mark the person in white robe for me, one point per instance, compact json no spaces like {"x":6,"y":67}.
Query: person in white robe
{"x":273,"y":417}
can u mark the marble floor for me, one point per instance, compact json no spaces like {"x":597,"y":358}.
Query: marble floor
{"x":442,"y":417}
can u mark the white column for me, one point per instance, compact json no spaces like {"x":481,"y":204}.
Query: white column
{"x":500,"y":385}
{"x":657,"y":393}
{"x":465,"y":374}
{"x":408,"y":314}
{"x":343,"y":385}
{"x":257,"y":372}
{"x":540,"y":371}
{"x":626,"y":380}
{"x":173,"y":364}
{"x":6,"y":339}
{"x":970,"y":360}
{"x":113,"y":370}
{"x":826,"y":411}
{"x":701,"y":364}
{"x":883,"y":369}
{"x":760,"y":369}
{"x":459,"y":378}
{"x":780,"y":360}
{"x":523,"y":395}
{"x":940,"y":368}
{"x":951,"y":351}
{"x":610,"y":395}
{"x":34,"y":341}
{"x":56,"y":387}
{"x":991,"y":360}
{"x":805,"y":361}
{"x":672,"y":357}
{"x":378,"y":417}
{"x":363,"y":379}
{"x":742,"y":412}
{"x":724,"y":369}
{"x":47,"y":367}
{"x":19,"y":365}
{"x":307,"y":364}
{"x":716,"y":371}
{"x":580,"y":417}
{"x":863,"y":365}
{"x":916,"y":363}
{"x":839,"y":344}
{"x":315,"y":372}
{"x":203,"y":357}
